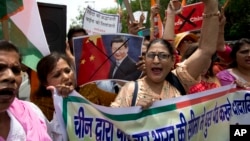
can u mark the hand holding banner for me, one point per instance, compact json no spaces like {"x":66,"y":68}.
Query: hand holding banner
{"x":202,"y":116}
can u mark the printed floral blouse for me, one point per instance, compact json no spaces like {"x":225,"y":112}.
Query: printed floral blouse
{"x":125,"y":96}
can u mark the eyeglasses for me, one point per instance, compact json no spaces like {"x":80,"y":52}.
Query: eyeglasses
{"x":161,"y":55}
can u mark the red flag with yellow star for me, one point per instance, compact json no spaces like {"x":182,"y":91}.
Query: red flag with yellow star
{"x":94,"y":63}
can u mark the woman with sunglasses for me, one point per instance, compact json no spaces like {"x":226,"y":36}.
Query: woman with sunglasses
{"x":160,"y":60}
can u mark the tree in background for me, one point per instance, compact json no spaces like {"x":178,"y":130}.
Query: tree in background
{"x":238,"y":20}
{"x":77,"y":22}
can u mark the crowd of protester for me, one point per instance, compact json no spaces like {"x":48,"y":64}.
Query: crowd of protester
{"x":172,"y":66}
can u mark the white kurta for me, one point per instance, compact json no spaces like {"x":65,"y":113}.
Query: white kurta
{"x":17,"y":133}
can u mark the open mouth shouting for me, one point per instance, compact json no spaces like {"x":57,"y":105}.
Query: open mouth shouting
{"x":7,"y":94}
{"x":156,"y":70}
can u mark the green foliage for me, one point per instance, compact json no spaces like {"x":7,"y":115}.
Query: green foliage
{"x":77,"y":22}
{"x":123,"y":18}
{"x":110,"y":11}
{"x":238,"y":20}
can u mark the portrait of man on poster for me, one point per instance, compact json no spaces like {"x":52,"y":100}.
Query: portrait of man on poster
{"x":123,"y":66}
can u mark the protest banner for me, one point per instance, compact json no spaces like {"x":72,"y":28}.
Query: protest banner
{"x":190,"y":18}
{"x":203,"y":116}
{"x":96,"y":22}
{"x":95,"y":58}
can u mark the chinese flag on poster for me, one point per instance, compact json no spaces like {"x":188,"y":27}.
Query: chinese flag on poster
{"x":94,"y":63}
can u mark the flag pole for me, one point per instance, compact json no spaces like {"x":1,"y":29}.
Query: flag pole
{"x":129,"y":10}
{"x":141,"y":27}
{"x":141,"y":5}
{"x":225,"y":4}
{"x":5,"y":28}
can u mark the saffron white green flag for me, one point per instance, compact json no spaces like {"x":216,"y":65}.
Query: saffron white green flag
{"x":25,"y":30}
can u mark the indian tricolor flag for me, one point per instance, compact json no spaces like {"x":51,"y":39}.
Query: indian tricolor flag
{"x":119,"y":2}
{"x":21,"y":24}
{"x":157,"y":21}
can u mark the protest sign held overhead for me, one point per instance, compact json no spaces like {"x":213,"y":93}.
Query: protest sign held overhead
{"x":190,"y":18}
{"x":96,"y":22}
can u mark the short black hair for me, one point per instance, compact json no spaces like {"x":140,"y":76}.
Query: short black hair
{"x":164,"y":42}
{"x":74,"y":30}
{"x":8,"y":46}
{"x":119,"y":39}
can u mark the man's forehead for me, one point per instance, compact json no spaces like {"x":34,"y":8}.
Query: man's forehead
{"x":9,"y":55}
{"x":117,"y":44}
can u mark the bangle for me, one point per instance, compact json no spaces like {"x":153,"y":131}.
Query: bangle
{"x":210,"y":15}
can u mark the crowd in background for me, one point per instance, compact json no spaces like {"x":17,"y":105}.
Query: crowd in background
{"x":171,"y":66}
